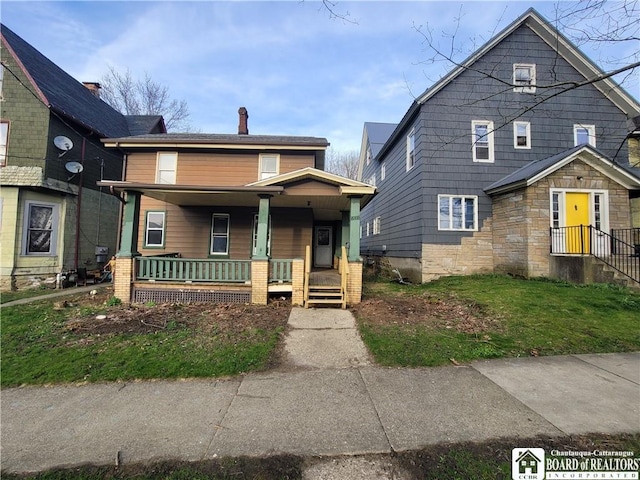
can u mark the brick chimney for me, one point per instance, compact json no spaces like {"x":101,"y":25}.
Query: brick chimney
{"x":94,"y":87}
{"x":243,"y":126}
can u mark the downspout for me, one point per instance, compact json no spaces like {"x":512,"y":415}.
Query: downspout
{"x":79,"y":206}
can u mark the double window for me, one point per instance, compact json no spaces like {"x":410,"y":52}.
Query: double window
{"x":269,"y":165}
{"x":584,"y":135}
{"x":457,"y":212}
{"x":166,"y":167}
{"x":482,"y":141}
{"x":524,"y":78}
{"x":40,"y":228}
{"x":154,"y":229}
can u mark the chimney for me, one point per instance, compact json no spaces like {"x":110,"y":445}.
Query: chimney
{"x":243,"y":126}
{"x":94,"y":87}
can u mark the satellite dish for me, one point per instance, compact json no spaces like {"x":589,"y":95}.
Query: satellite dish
{"x":74,"y":167}
{"x":63,"y":143}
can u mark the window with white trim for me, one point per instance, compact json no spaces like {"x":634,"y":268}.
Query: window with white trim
{"x":584,"y":135}
{"x":524,"y":77}
{"x":482,"y":141}
{"x":368,"y":229}
{"x":166,"y":167}
{"x":4,"y":141}
{"x":219,"y":234}
{"x":376,"y":226}
{"x":555,"y":210}
{"x":411,"y":148}
{"x":372,"y":180}
{"x":383,"y":171}
{"x":154,"y":229}
{"x":368,"y":155}
{"x":255,"y":235}
{"x":457,"y":212}
{"x":269,"y":165}
{"x":40,"y":228}
{"x":1,"y":82}
{"x":522,"y":135}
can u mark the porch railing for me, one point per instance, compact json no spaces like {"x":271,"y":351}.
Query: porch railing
{"x":280,"y":270}
{"x":192,"y":270}
{"x":621,"y":253}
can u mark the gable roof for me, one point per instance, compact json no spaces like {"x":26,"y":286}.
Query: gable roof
{"x":63,"y":94}
{"x":375,"y":134}
{"x":538,"y":169}
{"x":557,"y":41}
{"x":347,"y":185}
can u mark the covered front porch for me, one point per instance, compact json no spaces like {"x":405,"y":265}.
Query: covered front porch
{"x":281,"y":237}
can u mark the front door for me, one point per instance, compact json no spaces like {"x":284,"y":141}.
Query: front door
{"x":576,"y":214}
{"x":323,"y":247}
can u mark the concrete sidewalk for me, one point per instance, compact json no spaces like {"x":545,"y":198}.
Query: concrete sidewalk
{"x":318,"y":410}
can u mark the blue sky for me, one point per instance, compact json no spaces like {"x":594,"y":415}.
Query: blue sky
{"x":297,"y":70}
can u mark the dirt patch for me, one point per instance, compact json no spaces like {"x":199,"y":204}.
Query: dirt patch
{"x":426,"y":311}
{"x":93,"y":316}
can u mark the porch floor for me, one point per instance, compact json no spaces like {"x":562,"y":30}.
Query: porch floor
{"x":328,"y":276}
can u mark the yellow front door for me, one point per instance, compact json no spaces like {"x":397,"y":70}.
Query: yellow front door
{"x":577,"y":213}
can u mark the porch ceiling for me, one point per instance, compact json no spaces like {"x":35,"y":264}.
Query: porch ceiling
{"x":325,"y":207}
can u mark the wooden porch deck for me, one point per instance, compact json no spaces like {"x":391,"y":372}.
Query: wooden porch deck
{"x":324,"y":277}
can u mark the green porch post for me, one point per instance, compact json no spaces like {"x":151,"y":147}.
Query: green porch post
{"x":263,"y":228}
{"x":344,"y":233}
{"x":130,"y":222}
{"x":354,"y":229}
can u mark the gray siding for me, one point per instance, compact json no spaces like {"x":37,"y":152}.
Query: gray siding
{"x":444,"y":142}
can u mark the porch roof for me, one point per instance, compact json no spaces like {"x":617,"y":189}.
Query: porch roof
{"x":327,"y":204}
{"x":538,"y":169}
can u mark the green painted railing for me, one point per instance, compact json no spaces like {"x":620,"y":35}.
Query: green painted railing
{"x":280,"y":270}
{"x":193,"y":270}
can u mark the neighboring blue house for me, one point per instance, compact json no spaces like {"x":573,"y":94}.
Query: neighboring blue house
{"x":481,"y":175}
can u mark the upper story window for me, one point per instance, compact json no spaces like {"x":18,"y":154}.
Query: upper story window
{"x":269,"y":165}
{"x":411,"y":147}
{"x":524,"y":77}
{"x":372,"y":180}
{"x":4,"y":140}
{"x":584,"y":135}
{"x":40,"y":228}
{"x":376,"y":226}
{"x":368,"y":155}
{"x":482,"y":137}
{"x":383,"y":171}
{"x":521,"y":135}
{"x":1,"y":82}
{"x":166,"y":168}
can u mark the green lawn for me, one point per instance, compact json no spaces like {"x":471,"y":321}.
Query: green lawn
{"x":528,"y":317}
{"x":38,"y":347}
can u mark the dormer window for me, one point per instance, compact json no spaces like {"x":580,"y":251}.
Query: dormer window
{"x":524,"y":78}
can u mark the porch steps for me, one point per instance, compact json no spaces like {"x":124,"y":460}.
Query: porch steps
{"x":325,"y":295}
{"x":607,"y":274}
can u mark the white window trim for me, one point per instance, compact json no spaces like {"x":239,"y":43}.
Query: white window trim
{"x":531,"y":88}
{"x":55,"y":224}
{"x":228,"y":217}
{"x":489,"y":125}
{"x":411,"y":149}
{"x":368,"y":230}
{"x":147,"y":229}
{"x":174,"y":169}
{"x":368,"y":154}
{"x":4,"y":142}
{"x":372,"y":180}
{"x":383,"y":171}
{"x":515,"y":136}
{"x":376,"y":226}
{"x":262,"y":175}
{"x":475,"y":213}
{"x":591,"y":131}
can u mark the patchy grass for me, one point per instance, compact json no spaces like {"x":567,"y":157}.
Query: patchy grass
{"x":69,"y":341}
{"x":489,"y":460}
{"x":460,"y":319}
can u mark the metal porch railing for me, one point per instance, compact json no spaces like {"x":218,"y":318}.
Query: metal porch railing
{"x":620,"y":249}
